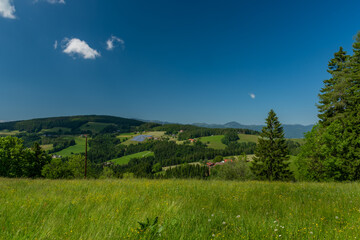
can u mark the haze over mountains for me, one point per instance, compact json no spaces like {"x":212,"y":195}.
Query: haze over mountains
{"x":290,"y":130}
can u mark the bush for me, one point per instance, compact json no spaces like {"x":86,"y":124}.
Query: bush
{"x":238,"y":170}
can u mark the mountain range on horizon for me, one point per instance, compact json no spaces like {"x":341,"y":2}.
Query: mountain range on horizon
{"x":290,"y":130}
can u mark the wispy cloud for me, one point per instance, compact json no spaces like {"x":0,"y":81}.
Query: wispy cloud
{"x":78,"y":47}
{"x":7,"y":9}
{"x":252,"y":95}
{"x":51,"y":1}
{"x":55,"y":44}
{"x":113,"y":42}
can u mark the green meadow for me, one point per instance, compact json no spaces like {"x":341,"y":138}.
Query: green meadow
{"x":127,"y":158}
{"x":215,"y":141}
{"x":186,"y":209}
{"x":79,"y":147}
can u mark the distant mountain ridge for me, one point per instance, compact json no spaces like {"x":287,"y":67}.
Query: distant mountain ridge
{"x":79,"y":124}
{"x":291,"y":130}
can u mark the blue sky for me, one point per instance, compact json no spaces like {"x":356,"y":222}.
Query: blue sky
{"x":179,"y":61}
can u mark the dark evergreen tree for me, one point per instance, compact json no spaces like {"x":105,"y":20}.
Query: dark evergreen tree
{"x":271,"y":154}
{"x":332,"y":148}
{"x":333,"y":101}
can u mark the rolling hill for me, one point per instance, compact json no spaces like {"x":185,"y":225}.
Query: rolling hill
{"x":74,"y":124}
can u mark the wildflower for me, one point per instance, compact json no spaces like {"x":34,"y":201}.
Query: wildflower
{"x":311,"y":232}
{"x":213,"y":235}
{"x":336,"y":217}
{"x":224,"y":223}
{"x":237,"y":216}
{"x":209,"y":220}
{"x":275,"y":221}
{"x":282,"y":226}
{"x":275,"y":230}
{"x":212,"y":215}
{"x":279,"y":235}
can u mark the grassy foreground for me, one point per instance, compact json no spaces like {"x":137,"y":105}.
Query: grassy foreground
{"x":187,"y":209}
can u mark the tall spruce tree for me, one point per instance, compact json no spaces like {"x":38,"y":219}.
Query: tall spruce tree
{"x":332,"y":99}
{"x":332,"y":149}
{"x":271,"y":154}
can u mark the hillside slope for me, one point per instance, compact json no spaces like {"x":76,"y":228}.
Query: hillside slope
{"x":76,"y":124}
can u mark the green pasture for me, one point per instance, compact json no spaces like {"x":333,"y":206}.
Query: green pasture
{"x":215,"y":141}
{"x":126,"y":159}
{"x":6,"y":132}
{"x":78,"y":148}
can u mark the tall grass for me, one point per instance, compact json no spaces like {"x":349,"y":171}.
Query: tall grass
{"x":187,"y":209}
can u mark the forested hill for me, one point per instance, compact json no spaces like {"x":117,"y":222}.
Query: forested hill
{"x":74,"y":124}
{"x":290,"y":130}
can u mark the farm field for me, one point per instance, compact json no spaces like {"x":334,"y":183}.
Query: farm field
{"x":5,"y":133}
{"x":248,"y":138}
{"x":126,"y":159}
{"x":215,"y":141}
{"x":47,"y":147}
{"x":186,"y":209}
{"x":78,"y":148}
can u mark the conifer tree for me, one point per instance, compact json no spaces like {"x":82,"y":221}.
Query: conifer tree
{"x":271,"y":154}
{"x":332,"y":99}
{"x":332,"y":149}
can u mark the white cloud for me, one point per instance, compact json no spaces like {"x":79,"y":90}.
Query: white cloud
{"x":7,"y":9}
{"x":75,"y":46}
{"x":252,"y":95}
{"x":51,"y":1}
{"x":113,"y":42}
{"x":55,"y":44}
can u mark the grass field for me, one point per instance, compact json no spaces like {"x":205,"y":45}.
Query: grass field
{"x":215,"y":141}
{"x":187,"y":209}
{"x":47,"y":147}
{"x":248,"y":138}
{"x":8,"y":133}
{"x":78,"y":148}
{"x":126,"y":159}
